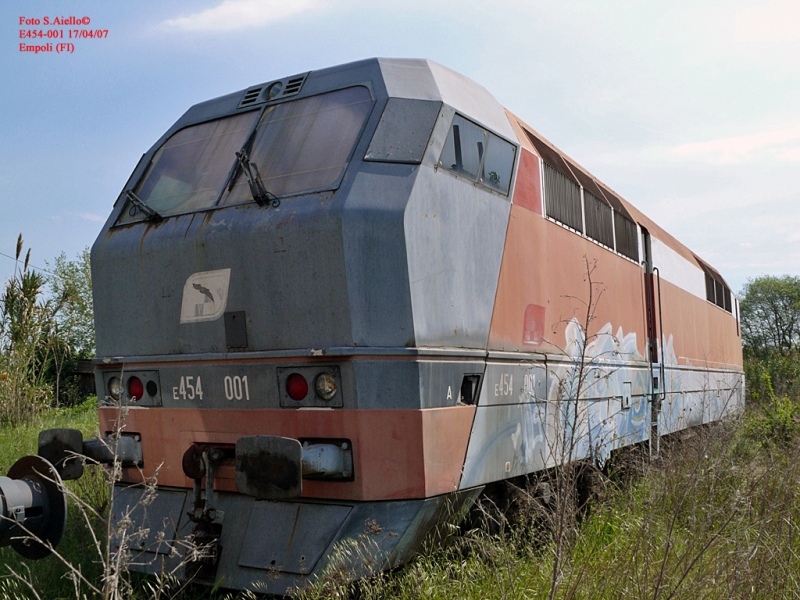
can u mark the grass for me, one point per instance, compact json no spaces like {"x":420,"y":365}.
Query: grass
{"x":718,"y":516}
{"x":22,"y":439}
{"x":15,"y":442}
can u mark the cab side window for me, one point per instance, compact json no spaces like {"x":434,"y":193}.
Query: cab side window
{"x":480,"y":156}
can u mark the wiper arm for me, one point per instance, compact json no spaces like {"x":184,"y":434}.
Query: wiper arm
{"x":247,"y":148}
{"x":152,"y":214}
{"x":260,"y":193}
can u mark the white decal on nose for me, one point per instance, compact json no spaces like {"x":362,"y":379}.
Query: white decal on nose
{"x":205,"y":296}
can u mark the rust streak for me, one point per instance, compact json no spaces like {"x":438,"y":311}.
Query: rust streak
{"x":294,"y":527}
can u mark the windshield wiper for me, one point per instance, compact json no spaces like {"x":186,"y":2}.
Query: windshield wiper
{"x":152,"y":214}
{"x":260,"y":193}
{"x":237,"y":170}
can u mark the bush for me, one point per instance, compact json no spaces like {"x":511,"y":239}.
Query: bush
{"x":42,"y":337}
{"x":773,"y":419}
{"x":774,"y":373}
{"x":26,"y":345}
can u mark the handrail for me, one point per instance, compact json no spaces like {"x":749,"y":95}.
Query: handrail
{"x":661,"y":335}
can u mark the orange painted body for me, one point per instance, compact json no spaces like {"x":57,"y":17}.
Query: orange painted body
{"x":543,"y":265}
{"x":396,"y":453}
{"x":704,"y":335}
{"x":543,"y":272}
{"x":528,"y":189}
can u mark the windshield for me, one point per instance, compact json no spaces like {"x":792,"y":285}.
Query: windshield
{"x":304,"y":145}
{"x":298,"y":146}
{"x":189,"y":170}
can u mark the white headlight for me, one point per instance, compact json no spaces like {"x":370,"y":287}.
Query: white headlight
{"x":115,"y":388}
{"x":325,"y":386}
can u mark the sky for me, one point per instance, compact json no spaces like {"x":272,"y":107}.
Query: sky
{"x":688,"y":109}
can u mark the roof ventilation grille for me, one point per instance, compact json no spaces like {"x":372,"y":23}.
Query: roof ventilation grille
{"x":251,"y":96}
{"x":293,"y":85}
{"x":274,"y":90}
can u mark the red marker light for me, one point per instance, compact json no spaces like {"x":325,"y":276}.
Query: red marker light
{"x":135,"y":388}
{"x":296,"y":386}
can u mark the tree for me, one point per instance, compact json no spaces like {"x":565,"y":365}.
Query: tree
{"x":770,"y":314}
{"x":72,"y":281}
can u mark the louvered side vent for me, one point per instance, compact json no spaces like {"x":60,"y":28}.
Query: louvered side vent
{"x":710,"y":292}
{"x":716,"y":289}
{"x":627,"y":236}
{"x":251,"y":96}
{"x":598,"y":219}
{"x":562,"y":198}
{"x":293,"y":85}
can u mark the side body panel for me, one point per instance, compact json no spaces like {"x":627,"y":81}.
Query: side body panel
{"x":572,"y":313}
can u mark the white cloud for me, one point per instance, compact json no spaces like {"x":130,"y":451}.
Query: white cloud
{"x":762,"y":34}
{"x":242,"y":14}
{"x":770,"y":22}
{"x":91,"y":217}
{"x":780,"y":144}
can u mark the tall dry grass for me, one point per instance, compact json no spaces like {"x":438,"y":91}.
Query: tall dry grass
{"x":716,"y":516}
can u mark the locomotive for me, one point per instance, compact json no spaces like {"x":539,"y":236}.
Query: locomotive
{"x":336,"y":305}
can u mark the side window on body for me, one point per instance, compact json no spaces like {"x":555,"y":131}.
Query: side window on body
{"x":480,"y":156}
